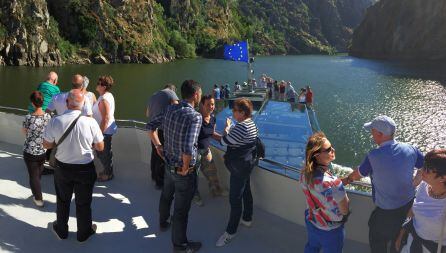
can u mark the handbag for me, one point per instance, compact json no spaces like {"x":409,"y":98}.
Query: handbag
{"x":52,"y":161}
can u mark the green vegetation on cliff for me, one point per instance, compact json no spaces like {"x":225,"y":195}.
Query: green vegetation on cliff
{"x":154,"y":31}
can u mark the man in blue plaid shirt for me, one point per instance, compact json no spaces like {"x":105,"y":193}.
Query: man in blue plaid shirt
{"x":181,"y":124}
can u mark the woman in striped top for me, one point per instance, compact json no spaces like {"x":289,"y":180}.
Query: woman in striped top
{"x":240,"y":160}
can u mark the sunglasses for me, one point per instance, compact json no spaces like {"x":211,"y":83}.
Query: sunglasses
{"x":327,"y":150}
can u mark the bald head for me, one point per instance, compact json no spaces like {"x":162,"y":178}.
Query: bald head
{"x":52,"y":77}
{"x":77,"y":81}
{"x":75,"y":99}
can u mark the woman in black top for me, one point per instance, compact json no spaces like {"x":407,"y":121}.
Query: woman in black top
{"x":205,"y":162}
{"x":240,"y":159}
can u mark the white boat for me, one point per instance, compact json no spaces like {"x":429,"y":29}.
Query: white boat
{"x":126,"y":208}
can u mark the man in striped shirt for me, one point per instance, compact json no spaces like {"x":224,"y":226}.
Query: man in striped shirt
{"x":181,"y":125}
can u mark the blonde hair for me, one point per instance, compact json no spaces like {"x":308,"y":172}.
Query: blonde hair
{"x":314,"y":145}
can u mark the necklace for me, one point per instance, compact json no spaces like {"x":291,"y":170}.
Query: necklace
{"x":436,"y":196}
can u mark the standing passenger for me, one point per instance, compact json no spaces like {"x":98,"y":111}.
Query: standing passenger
{"x":276,"y":90}
{"x":48,"y":89}
{"x":205,"y":163}
{"x":309,"y":97}
{"x":76,"y":172}
{"x":91,"y":96}
{"x":59,"y":102}
{"x":103,"y":113}
{"x":426,"y":220}
{"x":222,"y":92}
{"x":33,"y":151}
{"x":216,"y":92}
{"x":240,"y":159}
{"x":391,"y":168}
{"x":282,"y":88}
{"x":326,"y":198}
{"x":181,"y":125}
{"x":157,"y":104}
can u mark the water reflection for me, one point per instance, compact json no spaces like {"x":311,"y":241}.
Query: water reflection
{"x":347,"y":92}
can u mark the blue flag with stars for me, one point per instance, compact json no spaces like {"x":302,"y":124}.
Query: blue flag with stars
{"x":237,"y":51}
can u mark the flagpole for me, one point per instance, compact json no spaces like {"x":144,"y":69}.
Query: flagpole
{"x":250,"y":72}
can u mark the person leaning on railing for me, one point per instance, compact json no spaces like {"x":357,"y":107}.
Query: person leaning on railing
{"x":240,"y":159}
{"x":391,"y":167}
{"x":33,"y":151}
{"x":426,"y":220}
{"x":326,"y":198}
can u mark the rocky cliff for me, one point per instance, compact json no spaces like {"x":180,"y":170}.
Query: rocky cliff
{"x":24,"y":34}
{"x":51,"y":32}
{"x":398,"y":29}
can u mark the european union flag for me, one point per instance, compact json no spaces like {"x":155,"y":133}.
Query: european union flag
{"x":237,"y":52}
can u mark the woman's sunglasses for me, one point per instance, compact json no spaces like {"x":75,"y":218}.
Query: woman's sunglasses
{"x":327,"y":150}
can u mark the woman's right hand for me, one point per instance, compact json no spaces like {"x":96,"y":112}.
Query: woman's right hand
{"x":228,"y":122}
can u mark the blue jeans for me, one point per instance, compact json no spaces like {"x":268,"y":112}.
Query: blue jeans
{"x":330,"y":241}
{"x":183,"y":188}
{"x":239,"y":189}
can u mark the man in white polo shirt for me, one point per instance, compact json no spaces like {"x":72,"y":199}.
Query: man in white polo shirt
{"x":76,"y":172}
{"x":59,"y":102}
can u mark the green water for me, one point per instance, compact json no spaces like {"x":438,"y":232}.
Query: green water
{"x":348,"y":92}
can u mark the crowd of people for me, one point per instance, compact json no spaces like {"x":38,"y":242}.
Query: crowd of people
{"x":82,"y":126}
{"x":408,"y":190}
{"x":410,"y":212}
{"x":285,"y":91}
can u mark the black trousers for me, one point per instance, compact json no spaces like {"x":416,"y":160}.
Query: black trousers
{"x":34,"y":163}
{"x":106,"y":155}
{"x":239,"y":192}
{"x":157,"y":163}
{"x":384,"y":227}
{"x":183,"y":188}
{"x":80,"y":179}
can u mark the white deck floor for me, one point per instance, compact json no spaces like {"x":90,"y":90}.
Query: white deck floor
{"x":126,"y":212}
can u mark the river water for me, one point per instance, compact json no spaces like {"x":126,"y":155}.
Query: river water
{"x":347,"y":91}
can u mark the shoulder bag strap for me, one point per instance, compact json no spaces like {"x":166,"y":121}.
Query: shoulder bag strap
{"x":65,"y":134}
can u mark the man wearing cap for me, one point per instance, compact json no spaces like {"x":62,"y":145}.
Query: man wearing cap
{"x":391,"y":168}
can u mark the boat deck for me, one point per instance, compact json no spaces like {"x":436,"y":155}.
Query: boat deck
{"x":126,"y":212}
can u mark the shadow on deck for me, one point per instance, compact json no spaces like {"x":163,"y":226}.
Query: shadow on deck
{"x":126,"y":212}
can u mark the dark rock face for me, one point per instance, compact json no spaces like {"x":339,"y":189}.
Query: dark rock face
{"x":398,"y":29}
{"x":24,"y":38}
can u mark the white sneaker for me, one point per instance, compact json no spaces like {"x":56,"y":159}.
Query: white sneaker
{"x":224,"y":239}
{"x":247,"y":224}
{"x":38,"y":203}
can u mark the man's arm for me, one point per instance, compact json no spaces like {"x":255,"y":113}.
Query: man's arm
{"x":147,"y":111}
{"x":354,"y":176}
{"x":192,"y":133}
{"x":152,"y":126}
{"x":99,"y":146}
{"x":48,"y":145}
{"x":153,"y":135}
